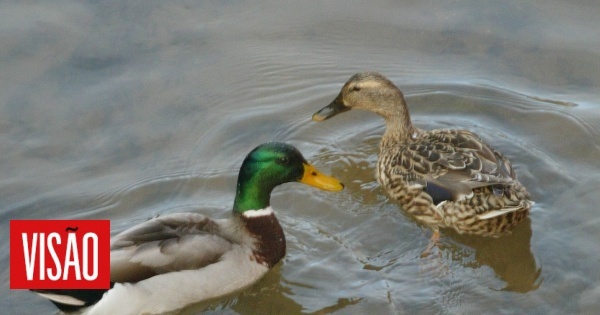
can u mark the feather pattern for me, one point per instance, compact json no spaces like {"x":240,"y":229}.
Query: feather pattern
{"x":444,"y":178}
{"x":167,"y":243}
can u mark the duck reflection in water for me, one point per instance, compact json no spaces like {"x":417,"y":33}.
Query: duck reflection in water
{"x":509,"y":256}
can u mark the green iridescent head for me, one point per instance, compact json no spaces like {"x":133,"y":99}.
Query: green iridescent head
{"x":272,"y":164}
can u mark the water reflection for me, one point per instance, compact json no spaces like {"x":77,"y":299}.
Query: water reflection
{"x":509,"y":256}
{"x":271,"y":295}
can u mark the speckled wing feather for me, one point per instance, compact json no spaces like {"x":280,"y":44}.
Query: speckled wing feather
{"x":449,"y":164}
{"x":167,"y":243}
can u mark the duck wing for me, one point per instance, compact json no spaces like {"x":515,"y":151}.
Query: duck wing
{"x":449,"y":164}
{"x":173,"y":242}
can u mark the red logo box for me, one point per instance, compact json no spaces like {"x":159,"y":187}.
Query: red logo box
{"x":59,"y":254}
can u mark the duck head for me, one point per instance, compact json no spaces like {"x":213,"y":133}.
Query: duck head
{"x":272,"y":164}
{"x":368,"y":91}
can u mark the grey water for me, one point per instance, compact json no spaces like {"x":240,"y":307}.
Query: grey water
{"x":125,"y":110}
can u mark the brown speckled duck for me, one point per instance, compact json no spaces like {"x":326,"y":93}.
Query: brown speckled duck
{"x":444,"y":178}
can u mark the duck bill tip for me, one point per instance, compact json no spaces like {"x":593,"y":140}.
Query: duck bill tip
{"x":315,"y":178}
{"x":334,"y":108}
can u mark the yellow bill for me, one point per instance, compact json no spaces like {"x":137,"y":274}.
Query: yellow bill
{"x":314,"y":178}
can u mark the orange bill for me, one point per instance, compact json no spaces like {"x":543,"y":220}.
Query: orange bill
{"x":317,"y":179}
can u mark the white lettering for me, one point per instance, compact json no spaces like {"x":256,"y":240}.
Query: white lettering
{"x":29,"y":256}
{"x":40,"y":245}
{"x":72,"y":258}
{"x":42,"y":255}
{"x":51,"y":276}
{"x":94,"y":239}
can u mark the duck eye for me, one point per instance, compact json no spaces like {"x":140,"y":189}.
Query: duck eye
{"x":283,"y":160}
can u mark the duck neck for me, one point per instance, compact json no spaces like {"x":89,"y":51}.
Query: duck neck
{"x":399,"y":127}
{"x":252,"y":207}
{"x":251,"y":194}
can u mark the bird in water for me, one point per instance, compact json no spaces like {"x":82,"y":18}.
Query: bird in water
{"x":443,"y":178}
{"x":175,"y":260}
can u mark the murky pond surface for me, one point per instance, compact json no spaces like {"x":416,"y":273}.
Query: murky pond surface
{"x":128,"y":110}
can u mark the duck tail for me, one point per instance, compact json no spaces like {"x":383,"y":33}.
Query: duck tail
{"x":72,"y":300}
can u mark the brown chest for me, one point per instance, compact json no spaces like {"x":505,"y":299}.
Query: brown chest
{"x":270,"y":241}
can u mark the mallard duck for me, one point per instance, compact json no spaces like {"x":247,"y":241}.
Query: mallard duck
{"x":444,"y":178}
{"x":174,"y":260}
